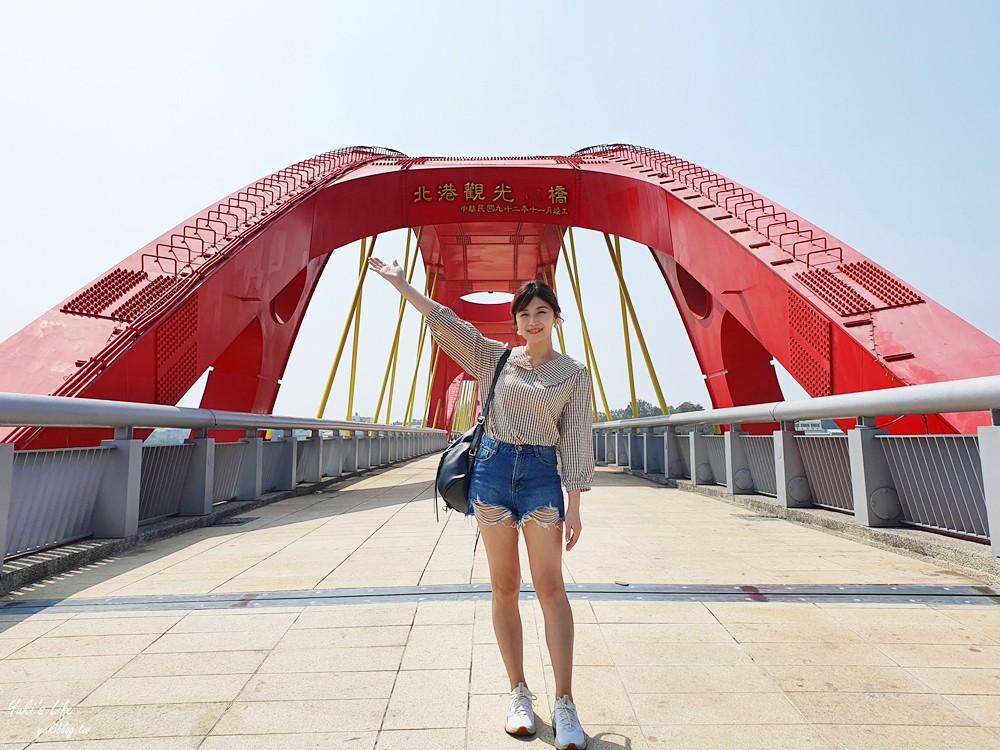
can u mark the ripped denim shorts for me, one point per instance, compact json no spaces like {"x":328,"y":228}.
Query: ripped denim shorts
{"x":512,"y":484}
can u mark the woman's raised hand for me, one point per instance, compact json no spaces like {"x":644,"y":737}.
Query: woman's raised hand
{"x":392,"y":274}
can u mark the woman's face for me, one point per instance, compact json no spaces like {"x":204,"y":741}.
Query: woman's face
{"x":535,"y":322}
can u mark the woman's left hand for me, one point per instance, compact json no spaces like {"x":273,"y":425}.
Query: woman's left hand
{"x":572,"y":526}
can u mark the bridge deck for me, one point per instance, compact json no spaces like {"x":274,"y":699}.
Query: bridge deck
{"x":351,"y":619}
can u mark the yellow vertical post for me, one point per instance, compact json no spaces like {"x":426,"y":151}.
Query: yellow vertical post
{"x":574,"y":281}
{"x":355,"y":303}
{"x":638,"y":330}
{"x":420,"y":351}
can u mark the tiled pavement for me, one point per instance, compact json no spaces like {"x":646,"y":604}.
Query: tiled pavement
{"x":162,"y":673}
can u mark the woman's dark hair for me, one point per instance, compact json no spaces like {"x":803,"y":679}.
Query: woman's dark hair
{"x":531,"y":289}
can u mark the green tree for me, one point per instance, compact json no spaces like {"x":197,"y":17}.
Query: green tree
{"x":646,"y":409}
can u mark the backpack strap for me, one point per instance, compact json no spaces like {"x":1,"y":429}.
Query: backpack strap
{"x":482,"y":420}
{"x":493,"y":386}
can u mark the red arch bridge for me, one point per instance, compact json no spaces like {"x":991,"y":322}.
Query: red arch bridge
{"x":225,"y":293}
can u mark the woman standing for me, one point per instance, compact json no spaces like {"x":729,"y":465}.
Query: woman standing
{"x":538,"y":430}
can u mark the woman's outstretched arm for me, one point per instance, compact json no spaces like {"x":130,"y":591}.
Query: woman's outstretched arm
{"x":394,"y":275}
{"x":461,"y":340}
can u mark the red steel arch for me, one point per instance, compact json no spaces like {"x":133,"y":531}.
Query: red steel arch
{"x":228,"y":288}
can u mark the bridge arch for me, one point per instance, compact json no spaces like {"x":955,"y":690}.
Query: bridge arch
{"x":752,"y":281}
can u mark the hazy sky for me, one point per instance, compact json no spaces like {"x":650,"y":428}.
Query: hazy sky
{"x":876,"y":121}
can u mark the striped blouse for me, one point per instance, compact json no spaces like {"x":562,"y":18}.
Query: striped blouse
{"x":546,"y":405}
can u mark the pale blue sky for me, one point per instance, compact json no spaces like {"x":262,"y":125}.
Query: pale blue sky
{"x":877,"y":121}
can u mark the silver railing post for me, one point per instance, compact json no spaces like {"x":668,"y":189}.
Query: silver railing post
{"x":989,"y":452}
{"x":385,"y":448}
{"x":333,"y":455}
{"x":673,"y":461}
{"x":350,"y":462}
{"x":364,"y":450}
{"x":652,"y":452}
{"x":198,"y":493}
{"x":249,"y":484}
{"x":790,"y":476}
{"x":875,"y":500}
{"x":636,"y":450}
{"x":739,"y":480}
{"x":287,"y":474}
{"x":116,"y":513}
{"x":701,"y":468}
{"x":6,"y":485}
{"x":621,"y":447}
{"x":310,"y":468}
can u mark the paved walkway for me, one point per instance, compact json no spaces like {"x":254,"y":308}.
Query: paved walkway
{"x":302,"y":629}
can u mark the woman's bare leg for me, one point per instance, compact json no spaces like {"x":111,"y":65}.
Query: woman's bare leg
{"x":545,"y":559}
{"x":500,"y":541}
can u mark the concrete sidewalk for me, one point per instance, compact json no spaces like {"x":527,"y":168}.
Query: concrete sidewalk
{"x":189,"y":642}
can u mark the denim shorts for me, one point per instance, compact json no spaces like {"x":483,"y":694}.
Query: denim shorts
{"x":517,"y":482}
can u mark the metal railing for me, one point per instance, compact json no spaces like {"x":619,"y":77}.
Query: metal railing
{"x":944,"y":483}
{"x":52,"y":497}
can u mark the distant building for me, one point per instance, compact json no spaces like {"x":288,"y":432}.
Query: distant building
{"x":819,"y":427}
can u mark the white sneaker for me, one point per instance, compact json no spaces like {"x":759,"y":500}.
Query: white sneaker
{"x":520,"y":715}
{"x":569,"y":733}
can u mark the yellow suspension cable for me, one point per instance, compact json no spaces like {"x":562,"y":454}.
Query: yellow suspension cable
{"x":395,"y":359}
{"x":420,"y":351}
{"x":589,"y":342}
{"x":430,"y":382}
{"x":472,"y":402}
{"x":392,"y":384}
{"x":635,"y":324}
{"x":394,"y":349}
{"x":588,"y":354}
{"x":436,"y":412}
{"x":456,"y":414}
{"x":458,"y":417}
{"x":588,"y":348}
{"x":628,"y":338}
{"x":354,"y":348}
{"x":347,"y":327}
{"x":562,"y":346}
{"x":466,"y":413}
{"x":552,"y":283}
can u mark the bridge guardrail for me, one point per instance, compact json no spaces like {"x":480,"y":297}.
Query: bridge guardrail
{"x":52,"y":497}
{"x":943,"y":483}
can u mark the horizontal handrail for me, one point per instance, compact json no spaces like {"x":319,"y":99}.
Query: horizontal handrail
{"x":26,"y":410}
{"x":970,"y":394}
